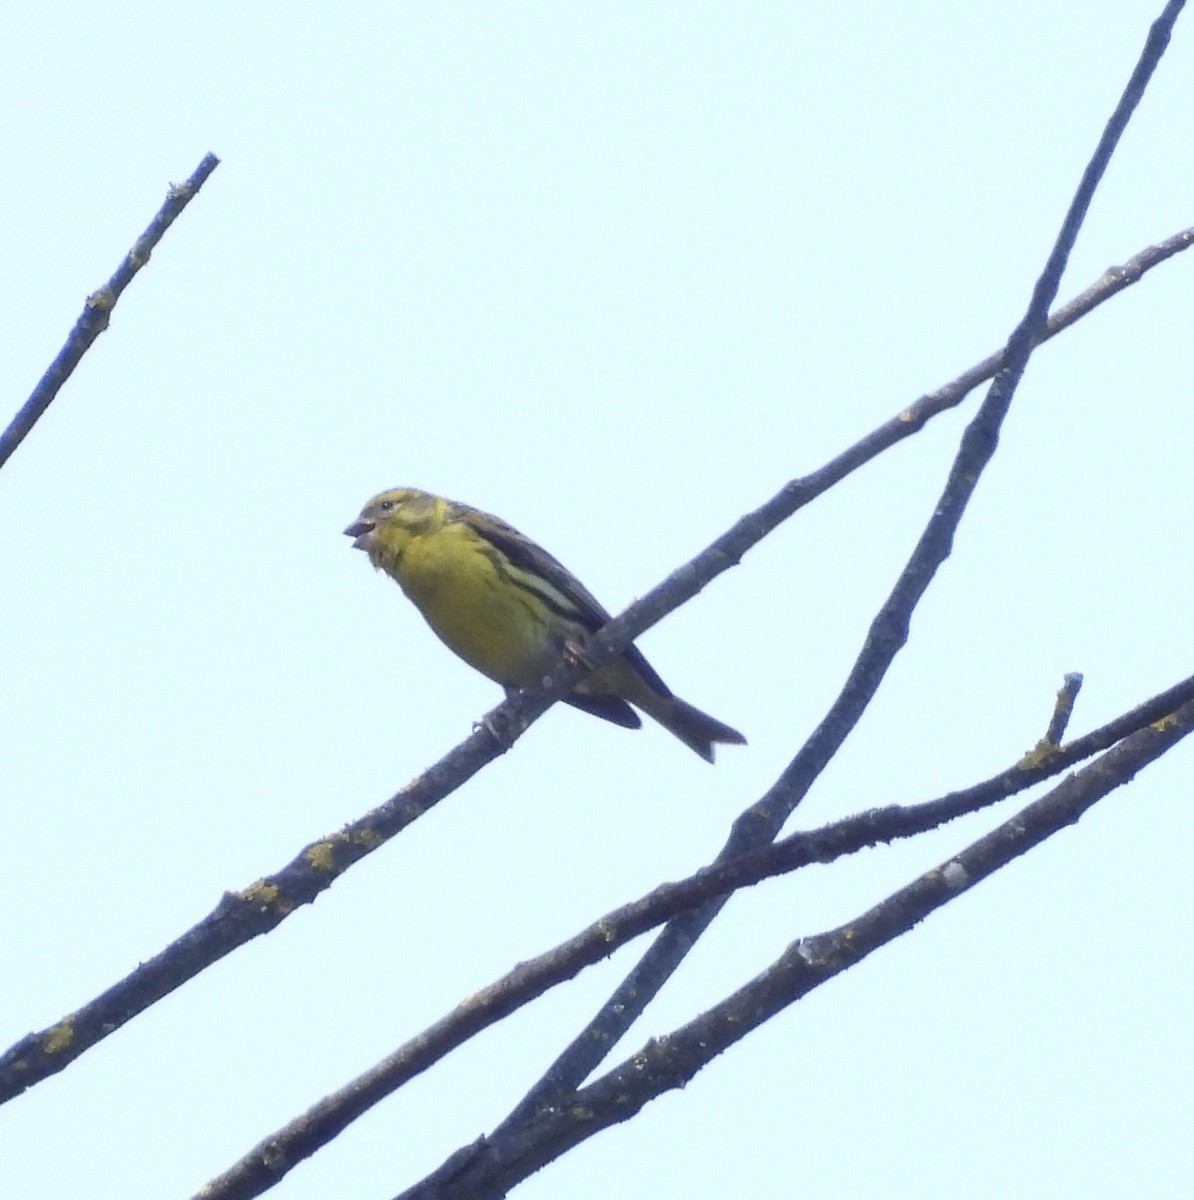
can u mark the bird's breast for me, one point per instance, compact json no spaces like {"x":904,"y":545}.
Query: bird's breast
{"x":464,"y":590}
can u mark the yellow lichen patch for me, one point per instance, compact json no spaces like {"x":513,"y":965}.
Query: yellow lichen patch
{"x":369,"y":838}
{"x":59,"y":1037}
{"x":1040,"y":755}
{"x":259,"y":893}
{"x":906,"y":417}
{"x":262,"y":895}
{"x":322,"y":856}
{"x":1165,"y":724}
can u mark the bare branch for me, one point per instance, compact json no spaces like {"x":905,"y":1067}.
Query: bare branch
{"x":281,"y":1151}
{"x":97,"y":310}
{"x":488,"y":1168}
{"x":255,"y":910}
{"x":888,"y":633}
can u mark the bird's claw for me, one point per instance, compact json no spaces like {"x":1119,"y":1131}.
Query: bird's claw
{"x":575,"y":656}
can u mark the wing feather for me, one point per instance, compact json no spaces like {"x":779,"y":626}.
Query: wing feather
{"x":572,"y":600}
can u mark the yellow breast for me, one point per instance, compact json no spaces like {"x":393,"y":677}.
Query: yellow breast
{"x":466,"y":594}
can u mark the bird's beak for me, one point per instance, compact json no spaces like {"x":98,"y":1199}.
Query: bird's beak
{"x":360,"y":530}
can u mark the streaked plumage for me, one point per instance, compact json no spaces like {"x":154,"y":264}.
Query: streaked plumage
{"x":508,"y":608}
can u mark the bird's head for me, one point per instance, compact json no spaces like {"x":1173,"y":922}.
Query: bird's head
{"x":388,"y":520}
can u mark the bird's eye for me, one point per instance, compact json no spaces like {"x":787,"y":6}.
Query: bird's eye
{"x":386,"y":505}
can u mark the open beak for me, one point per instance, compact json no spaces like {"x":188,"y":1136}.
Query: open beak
{"x":360,"y":531}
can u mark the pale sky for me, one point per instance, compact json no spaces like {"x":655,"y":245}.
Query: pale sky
{"x":615,"y":272}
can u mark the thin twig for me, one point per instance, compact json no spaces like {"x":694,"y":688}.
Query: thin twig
{"x":97,"y":310}
{"x":1063,"y":708}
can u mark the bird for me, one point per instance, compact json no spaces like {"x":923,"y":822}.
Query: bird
{"x":511,"y":610}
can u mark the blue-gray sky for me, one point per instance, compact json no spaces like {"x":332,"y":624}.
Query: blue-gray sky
{"x":615,"y":272}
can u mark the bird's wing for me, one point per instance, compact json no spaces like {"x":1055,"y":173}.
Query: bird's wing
{"x":533,"y":559}
{"x":608,"y":708}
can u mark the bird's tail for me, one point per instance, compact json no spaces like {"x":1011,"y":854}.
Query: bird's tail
{"x":697,"y":730}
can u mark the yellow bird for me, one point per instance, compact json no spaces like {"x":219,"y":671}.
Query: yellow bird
{"x":509,"y":609}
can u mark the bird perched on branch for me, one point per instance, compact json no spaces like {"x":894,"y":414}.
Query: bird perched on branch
{"x":510,"y":610}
